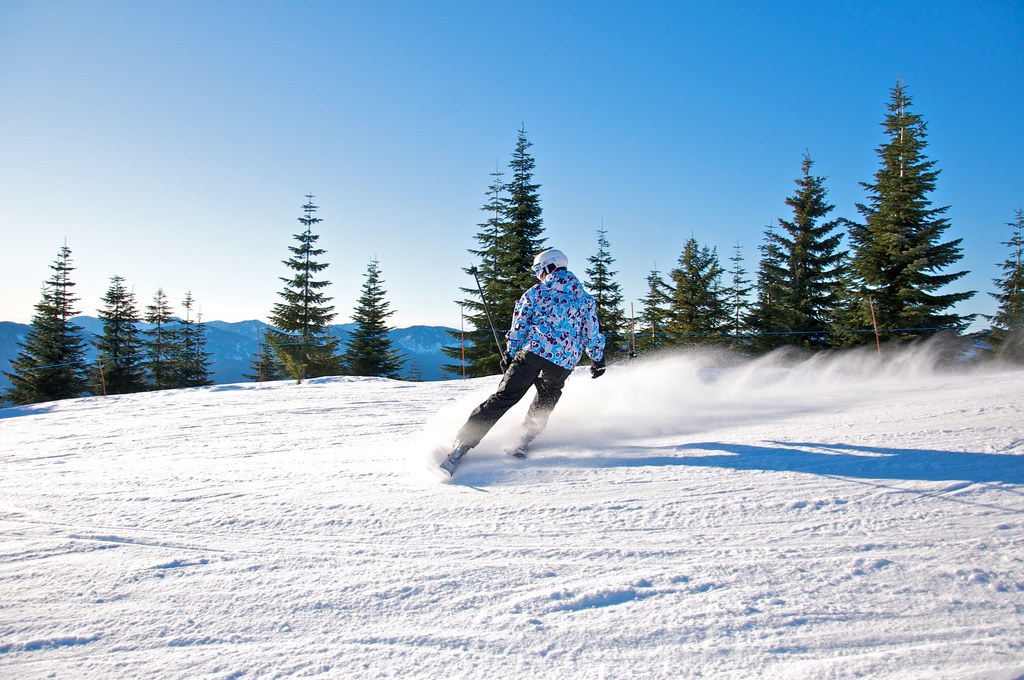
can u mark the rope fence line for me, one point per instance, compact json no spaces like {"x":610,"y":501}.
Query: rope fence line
{"x":821,"y":332}
{"x":663,"y":334}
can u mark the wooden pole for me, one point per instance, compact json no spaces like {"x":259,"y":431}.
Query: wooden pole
{"x":259,"y":354}
{"x":632,"y":331}
{"x":874,"y":322}
{"x":103,"y":378}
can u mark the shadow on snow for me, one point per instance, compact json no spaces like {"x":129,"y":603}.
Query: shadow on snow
{"x":28,"y":410}
{"x":834,"y":459}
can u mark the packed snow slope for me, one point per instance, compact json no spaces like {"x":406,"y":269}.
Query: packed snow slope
{"x":826,"y":517}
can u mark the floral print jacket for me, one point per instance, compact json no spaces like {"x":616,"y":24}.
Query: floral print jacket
{"x":557,"y":319}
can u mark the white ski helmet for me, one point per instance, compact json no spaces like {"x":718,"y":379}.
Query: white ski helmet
{"x":548,"y":261}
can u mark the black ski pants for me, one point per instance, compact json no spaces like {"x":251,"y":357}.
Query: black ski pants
{"x":527,"y":370}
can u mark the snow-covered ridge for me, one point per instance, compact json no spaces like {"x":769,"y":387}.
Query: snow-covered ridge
{"x":681,"y":517}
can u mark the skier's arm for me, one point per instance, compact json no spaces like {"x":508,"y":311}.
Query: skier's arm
{"x":592,"y":334}
{"x":520,"y":329}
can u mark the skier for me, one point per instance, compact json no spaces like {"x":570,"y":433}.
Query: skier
{"x":554,"y":322}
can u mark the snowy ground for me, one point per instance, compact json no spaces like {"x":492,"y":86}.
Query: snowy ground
{"x":777,"y":519}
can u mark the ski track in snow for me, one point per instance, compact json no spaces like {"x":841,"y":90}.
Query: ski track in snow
{"x":779,"y":518}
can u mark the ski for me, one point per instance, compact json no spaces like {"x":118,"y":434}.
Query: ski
{"x":519,"y":450}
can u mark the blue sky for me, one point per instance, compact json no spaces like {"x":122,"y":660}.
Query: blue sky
{"x":172,"y":143}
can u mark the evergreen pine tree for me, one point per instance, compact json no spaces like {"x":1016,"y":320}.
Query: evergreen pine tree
{"x":415,"y":372}
{"x":51,"y":362}
{"x":191,"y":365}
{"x":369,"y":351}
{"x":523,"y":237}
{"x":738,"y":291}
{"x":607,"y":295}
{"x":265,"y":366}
{"x":121,"y":347}
{"x":509,"y":240}
{"x":654,"y":315}
{"x":301,"y":338}
{"x":160,"y":342}
{"x":478,"y":341}
{"x":698,"y":312}
{"x":497,"y":207}
{"x":767,"y":320}
{"x":898,"y":257}
{"x":1008,"y":321}
{"x":811,"y":269}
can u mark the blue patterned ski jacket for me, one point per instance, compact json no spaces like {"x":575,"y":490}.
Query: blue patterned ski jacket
{"x":557,"y":319}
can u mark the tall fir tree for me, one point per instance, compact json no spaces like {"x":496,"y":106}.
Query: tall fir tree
{"x":265,"y":366}
{"x":51,"y":361}
{"x":301,"y":338}
{"x":370,"y":351}
{"x":607,"y":294}
{"x":508,"y":240}
{"x":809,"y":270}
{"x":475,"y":349}
{"x":160,"y":342}
{"x":1008,"y":321}
{"x":654,"y":314}
{"x":698,"y":312}
{"x":523,"y":237}
{"x":767,"y":320}
{"x":415,"y":372}
{"x":191,"y":364}
{"x":491,"y":230}
{"x":738,"y":291}
{"x":898,"y":256}
{"x":121,"y":348}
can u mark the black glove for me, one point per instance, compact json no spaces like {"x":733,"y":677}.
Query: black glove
{"x":504,"y":364}
{"x":597,"y":369}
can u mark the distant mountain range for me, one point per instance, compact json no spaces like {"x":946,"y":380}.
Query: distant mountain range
{"x":233,"y":346}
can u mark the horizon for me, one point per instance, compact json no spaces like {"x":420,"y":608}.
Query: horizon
{"x":164,"y":144}
{"x":224,"y":321}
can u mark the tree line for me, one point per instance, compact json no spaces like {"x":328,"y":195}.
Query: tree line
{"x":170,"y":352}
{"x":51,"y":364}
{"x":821,"y":282}
{"x":299,"y":343}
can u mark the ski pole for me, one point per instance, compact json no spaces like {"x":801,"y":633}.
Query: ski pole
{"x":501,"y":350}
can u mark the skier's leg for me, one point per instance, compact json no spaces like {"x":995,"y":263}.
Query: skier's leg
{"x":550,"y":381}
{"x":517,"y":380}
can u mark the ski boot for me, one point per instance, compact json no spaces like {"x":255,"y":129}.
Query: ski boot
{"x":452,"y":461}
